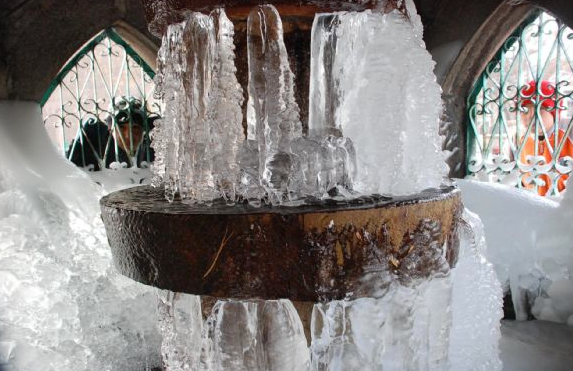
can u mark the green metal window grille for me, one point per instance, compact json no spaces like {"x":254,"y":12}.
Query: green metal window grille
{"x":99,"y":109}
{"x":520,"y":111}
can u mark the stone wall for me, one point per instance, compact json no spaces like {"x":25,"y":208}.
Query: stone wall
{"x":38,"y":37}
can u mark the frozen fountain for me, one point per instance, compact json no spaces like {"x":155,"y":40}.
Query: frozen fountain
{"x":298,"y":218}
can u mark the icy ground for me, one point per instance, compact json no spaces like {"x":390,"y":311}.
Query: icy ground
{"x":536,"y":346}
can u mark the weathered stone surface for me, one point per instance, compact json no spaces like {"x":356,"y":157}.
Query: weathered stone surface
{"x":324,"y":251}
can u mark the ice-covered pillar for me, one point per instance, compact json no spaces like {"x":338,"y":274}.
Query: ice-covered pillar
{"x":196,"y":142}
{"x":181,"y":139}
{"x":373,"y":80}
{"x":271,"y":92}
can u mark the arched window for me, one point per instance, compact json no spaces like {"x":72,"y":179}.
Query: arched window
{"x":99,"y":109}
{"x":520,"y":109}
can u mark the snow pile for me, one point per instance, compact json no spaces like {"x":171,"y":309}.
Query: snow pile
{"x":556,"y":257}
{"x":531,"y":246}
{"x":62,"y":307}
{"x":114,"y":179}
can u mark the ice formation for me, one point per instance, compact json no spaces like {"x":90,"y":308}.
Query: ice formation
{"x":405,"y":329}
{"x":378,"y":91}
{"x":275,"y":163}
{"x":365,"y":88}
{"x":197,"y":139}
{"x":252,"y":335}
{"x":62,"y":307}
{"x":271,"y":91}
{"x":476,"y":304}
{"x":530,"y":247}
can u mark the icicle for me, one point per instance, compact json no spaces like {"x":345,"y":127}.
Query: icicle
{"x":323,"y":92}
{"x":180,"y":323}
{"x":226,"y":100}
{"x":271,"y":91}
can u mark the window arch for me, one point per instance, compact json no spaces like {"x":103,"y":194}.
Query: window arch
{"x":520,"y":109}
{"x":99,"y":109}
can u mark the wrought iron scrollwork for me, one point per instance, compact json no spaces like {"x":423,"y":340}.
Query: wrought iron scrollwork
{"x":520,"y":110}
{"x":100,"y":108}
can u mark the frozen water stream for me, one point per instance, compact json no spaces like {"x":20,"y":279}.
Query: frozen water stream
{"x":365,"y":89}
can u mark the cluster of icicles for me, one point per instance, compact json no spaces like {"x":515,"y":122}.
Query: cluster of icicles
{"x":373,"y":117}
{"x":200,"y":146}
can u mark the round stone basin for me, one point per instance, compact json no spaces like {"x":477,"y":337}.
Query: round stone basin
{"x":324,"y":250}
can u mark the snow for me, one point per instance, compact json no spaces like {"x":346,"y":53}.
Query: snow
{"x":34,"y":163}
{"x":530,"y":244}
{"x":111,"y":180}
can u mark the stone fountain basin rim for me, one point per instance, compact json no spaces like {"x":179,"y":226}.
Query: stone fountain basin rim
{"x":309,"y":253}
{"x":151,"y":200}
